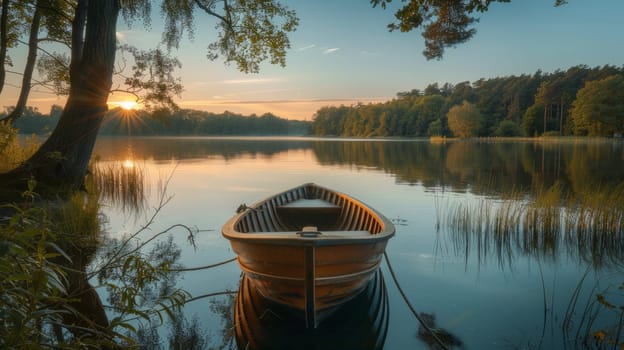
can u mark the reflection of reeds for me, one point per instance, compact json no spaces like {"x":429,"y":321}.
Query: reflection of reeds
{"x":485,"y":226}
{"x":541,"y":223}
{"x":589,"y":225}
{"x":121,"y":185}
{"x":594,"y":225}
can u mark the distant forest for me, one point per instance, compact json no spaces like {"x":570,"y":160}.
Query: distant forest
{"x":579,"y":101}
{"x":180,"y":123}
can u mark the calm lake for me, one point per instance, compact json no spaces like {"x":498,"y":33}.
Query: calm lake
{"x":485,"y":288}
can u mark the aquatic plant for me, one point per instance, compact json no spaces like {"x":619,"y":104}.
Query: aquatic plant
{"x":121,"y":184}
{"x":590,"y":225}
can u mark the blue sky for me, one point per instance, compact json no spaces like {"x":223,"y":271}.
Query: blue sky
{"x":342,"y":53}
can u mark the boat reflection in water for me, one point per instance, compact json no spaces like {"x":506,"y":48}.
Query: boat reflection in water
{"x":361,"y":323}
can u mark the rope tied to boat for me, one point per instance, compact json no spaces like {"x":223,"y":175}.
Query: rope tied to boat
{"x":244,"y":207}
{"x":422,"y":322}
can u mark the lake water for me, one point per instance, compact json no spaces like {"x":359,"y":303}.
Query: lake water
{"x":485,"y":291}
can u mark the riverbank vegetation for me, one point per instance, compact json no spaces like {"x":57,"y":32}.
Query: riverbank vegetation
{"x":56,"y":261}
{"x":578,"y":101}
{"x":184,"y":122}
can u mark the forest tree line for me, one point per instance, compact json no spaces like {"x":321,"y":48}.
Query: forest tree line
{"x":579,"y":101}
{"x":184,"y":122}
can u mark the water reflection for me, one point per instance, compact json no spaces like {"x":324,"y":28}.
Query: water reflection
{"x":487,"y":168}
{"x":516,"y":216}
{"x":482,"y":167}
{"x":200,"y":148}
{"x":432,"y":335}
{"x":362,"y":323}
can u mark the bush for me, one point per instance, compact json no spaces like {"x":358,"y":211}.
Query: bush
{"x":507,"y":128}
{"x":11,"y":152}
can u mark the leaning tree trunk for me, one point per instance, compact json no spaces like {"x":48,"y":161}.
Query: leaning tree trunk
{"x":4,"y":40}
{"x":31,"y":59}
{"x":63,"y":158}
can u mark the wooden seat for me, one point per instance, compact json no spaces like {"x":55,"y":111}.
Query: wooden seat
{"x":310,"y":205}
{"x":309,"y":212}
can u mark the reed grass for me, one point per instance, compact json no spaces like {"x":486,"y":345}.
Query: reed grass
{"x":120,"y":185}
{"x":589,"y":225}
{"x":594,"y":225}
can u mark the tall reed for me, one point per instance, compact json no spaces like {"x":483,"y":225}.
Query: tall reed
{"x":121,"y":184}
{"x":594,"y":225}
{"x":589,"y":225}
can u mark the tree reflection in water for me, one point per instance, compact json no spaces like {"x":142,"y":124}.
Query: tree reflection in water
{"x":448,"y":339}
{"x":184,"y":334}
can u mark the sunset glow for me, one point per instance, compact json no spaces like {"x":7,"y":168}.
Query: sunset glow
{"x":128,"y":105}
{"x":128,"y":164}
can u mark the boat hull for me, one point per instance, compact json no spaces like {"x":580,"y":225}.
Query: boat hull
{"x":278,"y":272}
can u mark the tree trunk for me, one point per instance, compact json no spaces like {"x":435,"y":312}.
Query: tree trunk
{"x":561,"y":117}
{"x":545,"y":111}
{"x":62,"y":160}
{"x":4,"y":38}
{"x":31,"y":59}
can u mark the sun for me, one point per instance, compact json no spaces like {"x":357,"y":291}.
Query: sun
{"x":128,"y":105}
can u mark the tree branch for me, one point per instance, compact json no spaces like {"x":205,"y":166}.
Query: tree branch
{"x":227,"y":20}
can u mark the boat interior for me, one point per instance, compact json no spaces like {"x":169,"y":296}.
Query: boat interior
{"x":309,"y":210}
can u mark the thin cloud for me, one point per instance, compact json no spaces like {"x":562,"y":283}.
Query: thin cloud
{"x":354,"y":100}
{"x":251,"y":81}
{"x":332,"y":50}
{"x":306,"y":48}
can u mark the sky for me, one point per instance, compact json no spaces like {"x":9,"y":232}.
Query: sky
{"x":343,"y":54}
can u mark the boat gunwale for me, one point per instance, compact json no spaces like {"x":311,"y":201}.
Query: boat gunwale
{"x":325,"y":238}
{"x":292,"y":238}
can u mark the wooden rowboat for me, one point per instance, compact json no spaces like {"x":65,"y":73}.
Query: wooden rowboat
{"x":309,"y":248}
